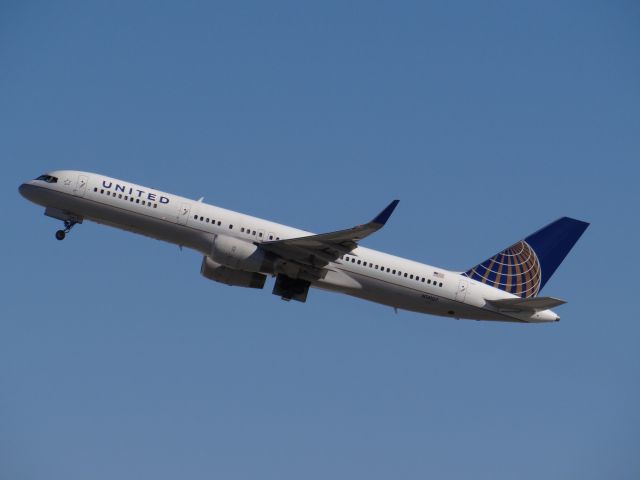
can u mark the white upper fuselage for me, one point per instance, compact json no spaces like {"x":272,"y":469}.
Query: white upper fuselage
{"x":363,"y":273}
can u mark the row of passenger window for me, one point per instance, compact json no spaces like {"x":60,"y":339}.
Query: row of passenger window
{"x":257,"y":233}
{"x":410,"y":276}
{"x":126,"y":198}
{"x":248,"y":231}
{"x":209,"y":220}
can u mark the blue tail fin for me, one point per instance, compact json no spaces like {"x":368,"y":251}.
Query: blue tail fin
{"x":525,"y":267}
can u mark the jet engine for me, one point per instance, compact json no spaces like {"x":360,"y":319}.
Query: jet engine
{"x":237,"y":278}
{"x":239,"y":255}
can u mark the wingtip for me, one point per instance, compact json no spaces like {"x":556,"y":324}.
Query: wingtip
{"x":384,"y":215}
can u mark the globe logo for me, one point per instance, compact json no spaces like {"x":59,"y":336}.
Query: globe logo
{"x":515,"y":270}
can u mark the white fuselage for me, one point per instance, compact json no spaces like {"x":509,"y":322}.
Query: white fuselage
{"x":363,"y":273}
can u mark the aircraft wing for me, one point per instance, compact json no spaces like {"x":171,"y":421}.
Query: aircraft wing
{"x":527,"y":304}
{"x":319,"y":250}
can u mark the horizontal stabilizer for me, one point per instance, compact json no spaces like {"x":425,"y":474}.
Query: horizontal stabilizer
{"x":527,"y":304}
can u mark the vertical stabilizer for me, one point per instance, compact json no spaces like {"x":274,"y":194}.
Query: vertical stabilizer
{"x":525,"y":267}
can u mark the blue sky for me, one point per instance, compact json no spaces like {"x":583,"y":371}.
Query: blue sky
{"x":487,"y":119}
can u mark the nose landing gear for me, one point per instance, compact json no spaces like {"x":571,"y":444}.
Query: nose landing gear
{"x":68,"y":225}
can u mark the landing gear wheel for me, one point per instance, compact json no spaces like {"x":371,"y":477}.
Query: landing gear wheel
{"x":68,"y":225}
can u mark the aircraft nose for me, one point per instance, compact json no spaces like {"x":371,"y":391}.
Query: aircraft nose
{"x":22,"y":189}
{"x":26,"y":190}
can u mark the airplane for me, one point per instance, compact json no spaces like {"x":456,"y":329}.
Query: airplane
{"x":241,"y":250}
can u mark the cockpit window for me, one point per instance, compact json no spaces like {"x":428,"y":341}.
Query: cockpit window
{"x":48,"y":178}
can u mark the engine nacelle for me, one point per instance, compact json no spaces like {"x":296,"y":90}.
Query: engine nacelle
{"x":238,"y":278}
{"x":238,"y":254}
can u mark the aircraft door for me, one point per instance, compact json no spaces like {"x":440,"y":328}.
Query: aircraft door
{"x":81,"y":186}
{"x":183,"y":213}
{"x":463,"y":286}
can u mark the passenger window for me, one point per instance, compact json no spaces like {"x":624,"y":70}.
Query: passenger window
{"x":242,"y":229}
{"x":230,"y":227}
{"x":260,"y":234}
{"x":440,"y":283}
{"x":195,"y":217}
{"x":95,"y":189}
{"x":359,"y":262}
{"x":119,"y":195}
{"x":137,"y":200}
{"x":393,"y":271}
{"x":207,"y":220}
{"x":411,"y":277}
